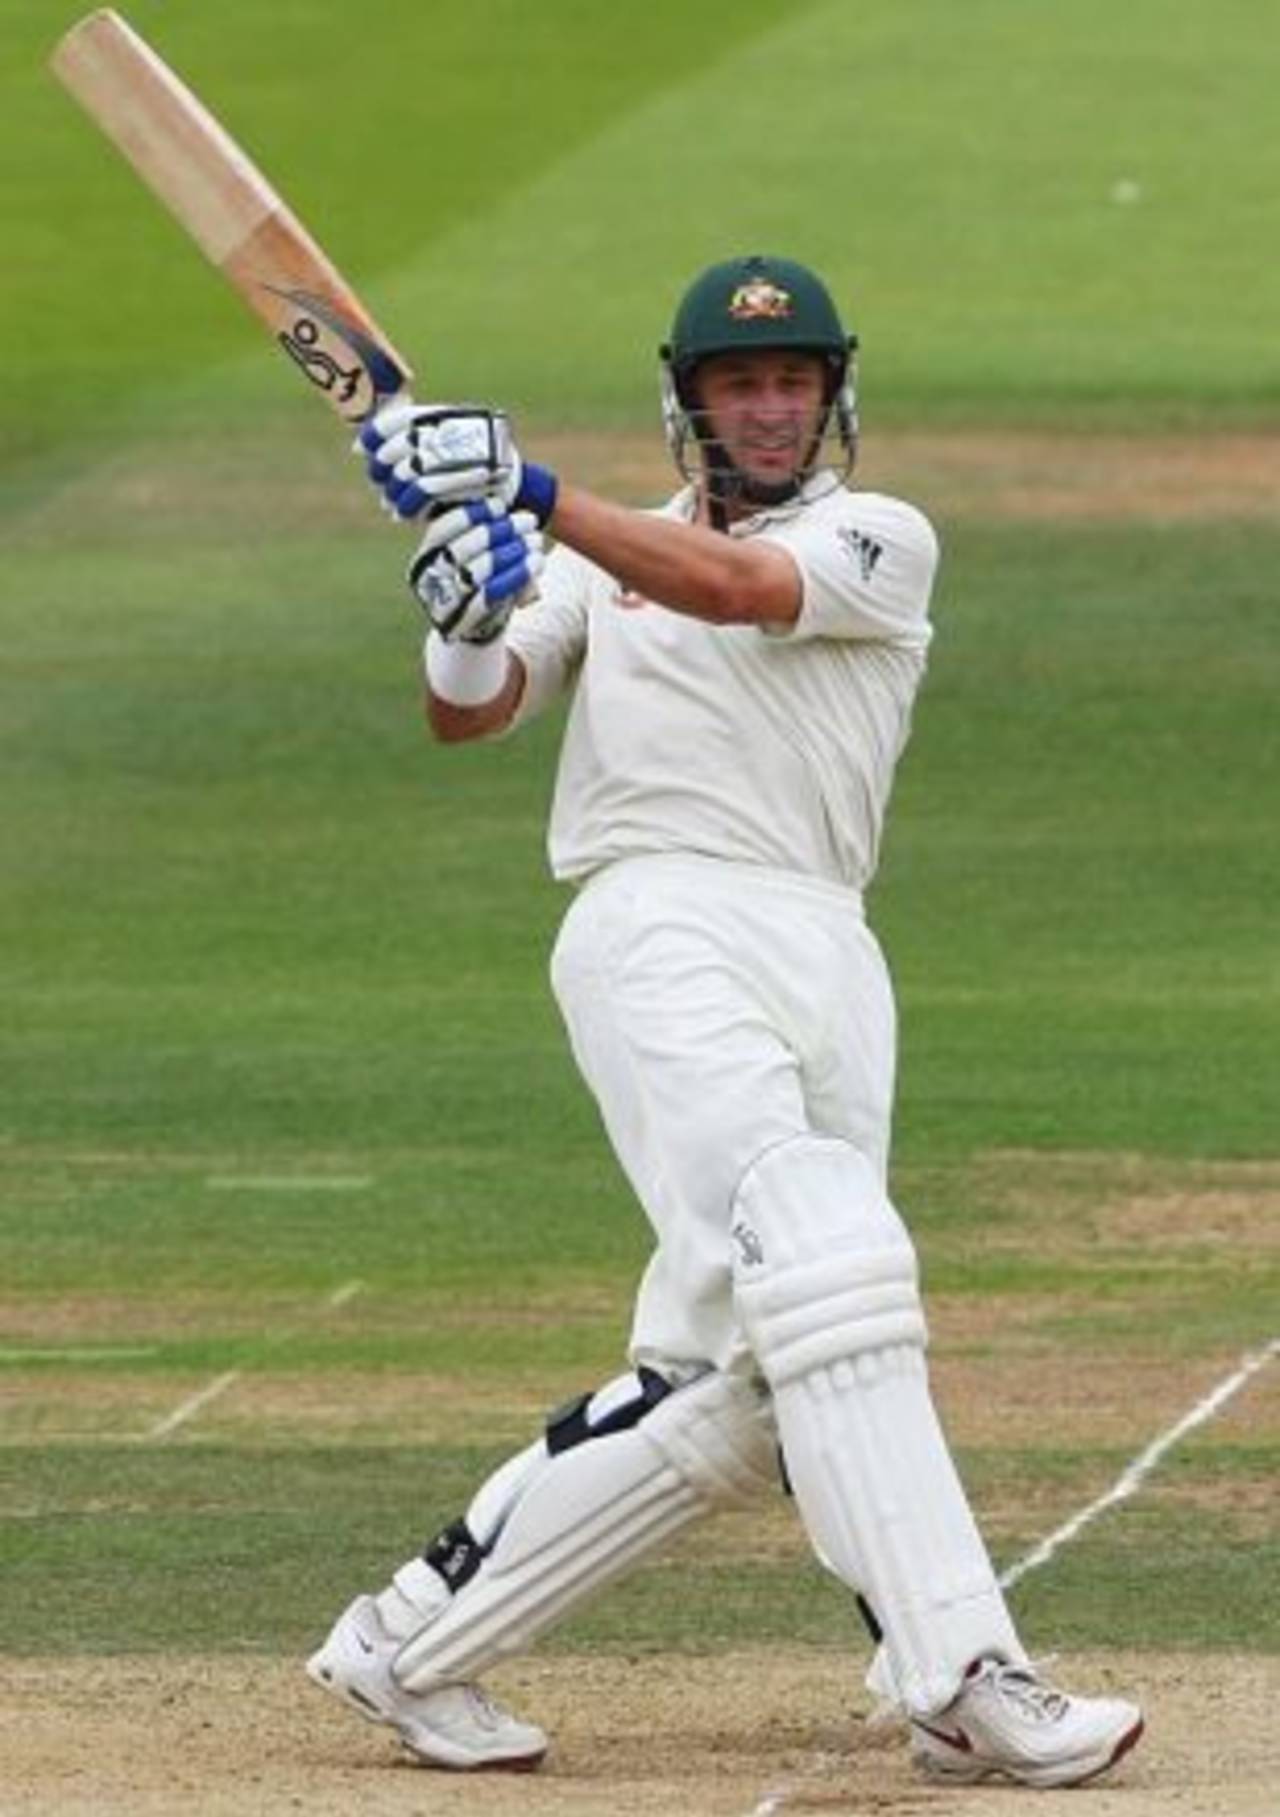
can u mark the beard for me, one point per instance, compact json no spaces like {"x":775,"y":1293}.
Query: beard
{"x":729,"y":483}
{"x":770,"y":492}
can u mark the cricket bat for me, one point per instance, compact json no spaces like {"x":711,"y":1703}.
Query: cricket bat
{"x":231,"y":211}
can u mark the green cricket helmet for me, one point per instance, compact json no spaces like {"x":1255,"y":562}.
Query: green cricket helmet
{"x":740,"y":306}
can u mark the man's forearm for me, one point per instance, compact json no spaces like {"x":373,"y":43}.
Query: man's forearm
{"x":686,"y":567}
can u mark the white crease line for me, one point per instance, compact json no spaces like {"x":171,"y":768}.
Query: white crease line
{"x":80,"y":1353}
{"x":197,"y":1402}
{"x":193,"y":1404}
{"x":341,"y":1296}
{"x":1135,"y":1474}
{"x":289,"y":1182}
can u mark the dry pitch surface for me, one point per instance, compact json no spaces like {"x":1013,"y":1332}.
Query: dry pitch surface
{"x":741,"y":1735}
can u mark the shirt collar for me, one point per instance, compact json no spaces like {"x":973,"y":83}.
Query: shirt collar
{"x":819,"y":485}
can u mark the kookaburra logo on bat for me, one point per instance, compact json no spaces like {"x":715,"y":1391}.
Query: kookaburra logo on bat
{"x":302,"y":343}
{"x":355,"y":387}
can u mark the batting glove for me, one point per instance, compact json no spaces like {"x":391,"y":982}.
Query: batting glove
{"x":474,"y":566}
{"x":421,"y":456}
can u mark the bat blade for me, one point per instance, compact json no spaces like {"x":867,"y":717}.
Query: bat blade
{"x":232,"y":212}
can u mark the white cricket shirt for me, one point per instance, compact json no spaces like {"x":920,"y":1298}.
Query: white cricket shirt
{"x":758,"y":747}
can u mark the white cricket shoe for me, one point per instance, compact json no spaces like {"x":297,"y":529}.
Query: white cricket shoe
{"x":1008,"y":1724}
{"x":456,"y":1726}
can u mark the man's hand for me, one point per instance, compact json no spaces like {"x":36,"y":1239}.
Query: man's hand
{"x":473,"y":567}
{"x":421,"y":456}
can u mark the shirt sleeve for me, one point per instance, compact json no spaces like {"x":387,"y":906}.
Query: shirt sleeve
{"x":867,"y":570}
{"x":550,"y":634}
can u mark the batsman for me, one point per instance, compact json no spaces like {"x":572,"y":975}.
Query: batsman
{"x":742,"y":666}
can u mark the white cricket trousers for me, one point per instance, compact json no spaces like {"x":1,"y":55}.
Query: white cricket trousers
{"x":716,"y":1009}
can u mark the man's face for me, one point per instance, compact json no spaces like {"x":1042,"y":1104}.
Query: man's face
{"x":764,"y":409}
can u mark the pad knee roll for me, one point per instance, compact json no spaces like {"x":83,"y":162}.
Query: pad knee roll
{"x":824,"y":1269}
{"x":576,"y":1517}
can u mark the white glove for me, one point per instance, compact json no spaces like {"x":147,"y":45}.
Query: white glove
{"x":423,"y":455}
{"x":474,"y":566}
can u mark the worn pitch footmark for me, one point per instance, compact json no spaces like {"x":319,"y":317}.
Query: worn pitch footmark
{"x":187,"y":1410}
{"x":1127,"y":1484}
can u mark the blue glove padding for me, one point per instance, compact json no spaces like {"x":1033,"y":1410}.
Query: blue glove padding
{"x":536,"y":492}
{"x":420,"y":456}
{"x":475,"y":564}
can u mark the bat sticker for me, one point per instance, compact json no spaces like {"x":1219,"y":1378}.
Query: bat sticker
{"x":354,"y":388}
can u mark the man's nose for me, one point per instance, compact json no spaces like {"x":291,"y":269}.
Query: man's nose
{"x":771,"y":401}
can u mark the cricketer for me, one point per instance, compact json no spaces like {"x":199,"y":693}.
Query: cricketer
{"x":743,"y":665}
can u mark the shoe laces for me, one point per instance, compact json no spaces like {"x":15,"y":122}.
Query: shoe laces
{"x":483,"y":1705}
{"x":1020,"y":1687}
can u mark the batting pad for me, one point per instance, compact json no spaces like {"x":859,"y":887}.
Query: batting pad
{"x":826,"y":1288}
{"x":584,"y":1515}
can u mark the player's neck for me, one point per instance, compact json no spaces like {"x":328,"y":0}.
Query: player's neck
{"x":717,"y":512}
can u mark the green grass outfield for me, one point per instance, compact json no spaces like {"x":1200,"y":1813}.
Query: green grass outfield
{"x":275,"y":1016}
{"x":1029,"y":209}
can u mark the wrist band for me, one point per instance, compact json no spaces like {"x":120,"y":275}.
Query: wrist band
{"x":538,"y":489}
{"x":465,"y":675}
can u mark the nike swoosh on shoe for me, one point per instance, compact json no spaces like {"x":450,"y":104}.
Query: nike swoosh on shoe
{"x":954,"y":1738}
